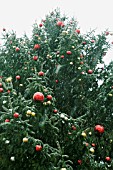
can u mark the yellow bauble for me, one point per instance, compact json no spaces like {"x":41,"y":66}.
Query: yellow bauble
{"x":92,"y":150}
{"x":83,"y":134}
{"x":29,"y":112}
{"x":49,"y":102}
{"x":45,"y":103}
{"x":63,"y":169}
{"x":25,"y":140}
{"x":110,"y":95}
{"x":9,"y":79}
{"x":33,"y":113}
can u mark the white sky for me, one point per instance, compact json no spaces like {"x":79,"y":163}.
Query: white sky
{"x":20,"y":15}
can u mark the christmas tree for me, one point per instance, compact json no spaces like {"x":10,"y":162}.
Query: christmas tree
{"x":54,"y":113}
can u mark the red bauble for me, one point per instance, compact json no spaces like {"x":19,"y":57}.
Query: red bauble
{"x":99,"y":129}
{"x":17,"y":49}
{"x":92,"y":41}
{"x":79,"y":162}
{"x":38,"y":147}
{"x":62,"y":56}
{"x":73,"y":127}
{"x":56,"y":81}
{"x":35,"y":58}
{"x":41,"y":73}
{"x":36,"y":46}
{"x":90,"y":71}
{"x":38,"y":96}
{"x":16,"y":115}
{"x":107,"y":33}
{"x":40,"y":25}
{"x":81,"y":62}
{"x":108,"y":159}
{"x":93,"y":144}
{"x":7,"y":120}
{"x":49,"y":97}
{"x":84,"y":43}
{"x":60,"y":23}
{"x":69,"y":52}
{"x":78,"y":31}
{"x":0,"y":84}
{"x":18,"y":77}
{"x":1,"y":90}
{"x":55,"y":110}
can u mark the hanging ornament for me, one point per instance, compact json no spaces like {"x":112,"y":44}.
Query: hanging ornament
{"x":16,"y":115}
{"x":38,"y":148}
{"x":25,"y":140}
{"x":12,"y":158}
{"x":38,"y":96}
{"x":99,"y":129}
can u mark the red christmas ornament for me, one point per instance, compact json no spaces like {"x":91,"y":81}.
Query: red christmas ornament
{"x":99,"y":129}
{"x":69,"y":52}
{"x":55,"y":110}
{"x":35,"y":58}
{"x":108,"y":159}
{"x":79,"y":161}
{"x":16,"y":115}
{"x":7,"y":120}
{"x":92,"y":41}
{"x":41,"y":73}
{"x":77,"y":31}
{"x":36,"y":46}
{"x":1,"y":90}
{"x":90,"y":71}
{"x":56,"y":81}
{"x":82,"y":72}
{"x":60,"y":23}
{"x":17,"y":77}
{"x":40,"y":25}
{"x":81,"y":62}
{"x":17,"y":49}
{"x":62,"y":56}
{"x":84,"y":43}
{"x":49,"y":97}
{"x":73,"y":127}
{"x":0,"y":84}
{"x":38,"y":147}
{"x":93,"y":144}
{"x":107,"y":33}
{"x":38,"y":96}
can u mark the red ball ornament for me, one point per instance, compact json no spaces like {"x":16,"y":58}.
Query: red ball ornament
{"x":38,"y":96}
{"x":108,"y":159}
{"x":16,"y":115}
{"x":40,"y":25}
{"x":93,"y":144}
{"x":79,"y":161}
{"x":90,"y":71}
{"x":77,"y":31}
{"x":56,"y":81}
{"x":1,"y":90}
{"x":84,"y":43}
{"x":38,"y":147}
{"x":36,"y":46}
{"x":99,"y":129}
{"x":17,"y":77}
{"x":49,"y":97}
{"x":55,"y":110}
{"x":69,"y":52}
{"x":62,"y":56}
{"x":92,"y":41}
{"x":60,"y":23}
{"x":73,"y":127}
{"x":107,"y":33}
{"x":35,"y":58}
{"x":7,"y":120}
{"x":0,"y":84}
{"x":17,"y":49}
{"x":41,"y":73}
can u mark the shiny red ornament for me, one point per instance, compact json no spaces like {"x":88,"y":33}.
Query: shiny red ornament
{"x":49,"y":97}
{"x":41,"y":73}
{"x":90,"y":71}
{"x":69,"y":52}
{"x":17,"y":49}
{"x":99,"y":129}
{"x":38,"y":96}
{"x":36,"y":46}
{"x":16,"y":115}
{"x":40,"y":25}
{"x":38,"y":147}
{"x":77,"y":31}
{"x":60,"y":23}
{"x":7,"y":120}
{"x":17,"y":77}
{"x":35,"y":58}
{"x":1,"y":90}
{"x":108,"y":159}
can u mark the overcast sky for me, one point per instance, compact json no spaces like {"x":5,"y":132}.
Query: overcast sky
{"x":20,"y":15}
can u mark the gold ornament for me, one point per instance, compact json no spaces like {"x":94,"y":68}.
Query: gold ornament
{"x":33,"y":113}
{"x":29,"y":112}
{"x":9,"y":79}
{"x":83,"y":134}
{"x":25,"y":140}
{"x":110,"y":95}
{"x":92,"y":150}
